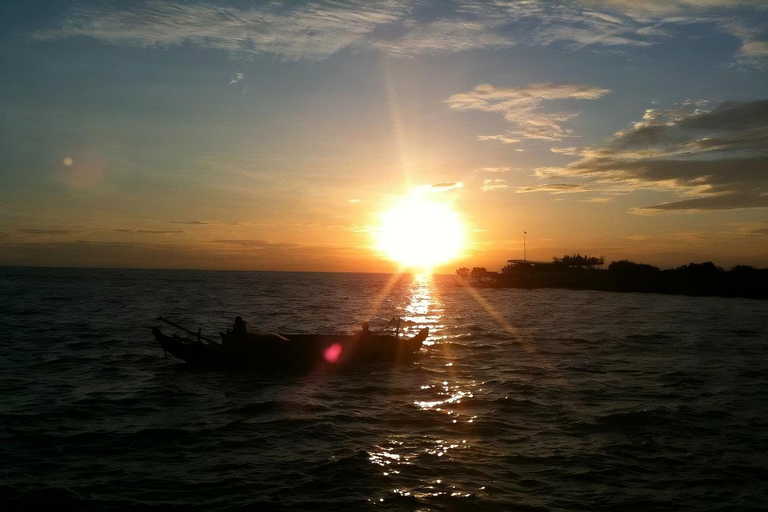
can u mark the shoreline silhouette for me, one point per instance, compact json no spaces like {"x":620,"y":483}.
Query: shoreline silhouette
{"x":580,"y":273}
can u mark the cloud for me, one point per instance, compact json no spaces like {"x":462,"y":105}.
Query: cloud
{"x":447,"y":185}
{"x":291,"y":32}
{"x":713,"y":158}
{"x":553,"y":188}
{"x":723,"y":202}
{"x":521,"y":106}
{"x":204,"y":223}
{"x":504,"y":139}
{"x":667,"y":7}
{"x":754,"y":49}
{"x":748,"y":229}
{"x":239,"y":78}
{"x":580,"y":29}
{"x":320,"y":29}
{"x":443,"y":36}
{"x":493,"y":169}
{"x":439,"y":187}
{"x":246,"y":243}
{"x":494,"y":184}
{"x":83,"y":253}
{"x":47,"y":231}
{"x":227,"y":254}
{"x":759,"y":231}
{"x":148,"y":231}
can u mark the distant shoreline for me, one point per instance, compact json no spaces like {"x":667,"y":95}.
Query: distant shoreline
{"x":704,"y":279}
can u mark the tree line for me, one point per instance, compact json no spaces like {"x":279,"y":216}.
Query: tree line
{"x":579,"y":272}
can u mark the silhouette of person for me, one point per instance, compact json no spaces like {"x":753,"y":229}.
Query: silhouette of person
{"x":239,"y":329}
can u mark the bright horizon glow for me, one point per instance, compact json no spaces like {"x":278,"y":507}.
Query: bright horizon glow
{"x":420,"y":233}
{"x":269,"y":136}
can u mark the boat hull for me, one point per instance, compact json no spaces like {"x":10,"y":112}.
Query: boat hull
{"x":291,"y":352}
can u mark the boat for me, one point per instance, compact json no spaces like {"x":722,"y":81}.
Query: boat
{"x":289,"y":352}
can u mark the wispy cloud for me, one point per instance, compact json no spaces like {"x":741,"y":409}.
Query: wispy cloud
{"x":317,"y":30}
{"x":666,"y":7}
{"x":553,"y":188}
{"x":439,"y":187}
{"x":754,"y":46}
{"x":149,"y":231}
{"x":659,"y":17}
{"x":245,"y":243}
{"x":597,"y":200}
{"x":748,"y":229}
{"x":522,"y":107}
{"x":447,"y":185}
{"x":494,"y":184}
{"x":203,"y":223}
{"x":298,"y":31}
{"x":493,"y":169}
{"x":715,"y":158}
{"x":504,"y":139}
{"x":443,"y":36}
{"x":33,"y":231}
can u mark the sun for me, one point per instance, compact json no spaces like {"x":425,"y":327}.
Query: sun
{"x":421,"y":233}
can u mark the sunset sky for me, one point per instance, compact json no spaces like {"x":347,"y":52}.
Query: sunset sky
{"x":272,"y":136}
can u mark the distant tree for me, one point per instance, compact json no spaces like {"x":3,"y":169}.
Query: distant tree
{"x":594,"y":261}
{"x":577,"y":260}
{"x":696,"y":279}
{"x":746,"y":281}
{"x":698,"y":269}
{"x":462,"y":272}
{"x":630,"y":267}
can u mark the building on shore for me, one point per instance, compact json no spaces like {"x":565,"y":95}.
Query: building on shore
{"x":513,"y":265}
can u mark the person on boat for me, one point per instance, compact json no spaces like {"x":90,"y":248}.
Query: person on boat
{"x":237,"y":336}
{"x":240,"y":328}
{"x":366,"y":331}
{"x":240,"y":339}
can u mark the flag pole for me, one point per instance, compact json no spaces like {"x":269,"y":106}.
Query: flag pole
{"x":525,"y":258}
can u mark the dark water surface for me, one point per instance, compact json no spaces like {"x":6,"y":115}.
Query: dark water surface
{"x":524,"y":399}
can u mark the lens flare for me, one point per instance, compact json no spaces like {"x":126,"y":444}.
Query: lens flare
{"x":333,"y":353}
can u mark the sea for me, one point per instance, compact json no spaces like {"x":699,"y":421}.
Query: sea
{"x":520,"y":400}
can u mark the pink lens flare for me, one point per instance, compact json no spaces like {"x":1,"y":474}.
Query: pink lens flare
{"x":333,"y":353}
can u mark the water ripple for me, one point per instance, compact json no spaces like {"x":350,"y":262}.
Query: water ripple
{"x":521,"y":400}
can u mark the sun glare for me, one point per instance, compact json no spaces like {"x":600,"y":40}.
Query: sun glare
{"x":421,"y":233}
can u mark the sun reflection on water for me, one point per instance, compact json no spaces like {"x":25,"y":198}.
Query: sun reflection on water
{"x":447,"y":400}
{"x":442,"y":415}
{"x":423,"y":309}
{"x":386,"y":458}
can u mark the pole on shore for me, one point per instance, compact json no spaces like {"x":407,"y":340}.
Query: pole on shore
{"x":524,"y":254}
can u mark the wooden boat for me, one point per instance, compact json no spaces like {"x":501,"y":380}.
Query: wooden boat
{"x":290,"y":352}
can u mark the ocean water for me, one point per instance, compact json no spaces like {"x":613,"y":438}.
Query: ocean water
{"x":522,"y":400}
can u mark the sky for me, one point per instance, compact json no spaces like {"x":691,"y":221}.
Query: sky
{"x":272,"y":135}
